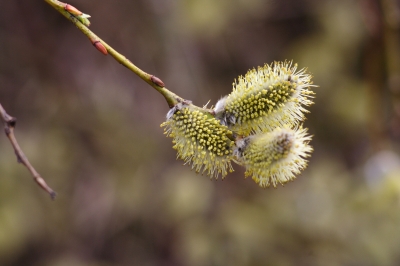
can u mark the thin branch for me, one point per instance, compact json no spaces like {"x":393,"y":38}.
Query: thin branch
{"x":9,"y":125}
{"x":74,"y":15}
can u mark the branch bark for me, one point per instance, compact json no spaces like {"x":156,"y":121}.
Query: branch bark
{"x":9,"y":126}
{"x":171,"y":98}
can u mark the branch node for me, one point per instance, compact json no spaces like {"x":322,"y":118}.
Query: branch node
{"x":12,"y":122}
{"x":157,"y":81}
{"x":19,"y":157}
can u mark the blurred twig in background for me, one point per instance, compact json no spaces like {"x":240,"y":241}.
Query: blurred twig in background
{"x":9,"y":125}
{"x":391,"y":13}
{"x":375,"y":72}
{"x":382,"y":19}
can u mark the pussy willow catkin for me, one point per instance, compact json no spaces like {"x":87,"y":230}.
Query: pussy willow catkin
{"x":274,"y":157}
{"x":200,"y":140}
{"x":258,"y":126}
{"x":265,"y":98}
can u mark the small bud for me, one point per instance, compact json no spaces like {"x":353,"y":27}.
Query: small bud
{"x":84,"y":19}
{"x":200,"y":139}
{"x":99,"y":46}
{"x":274,"y":157}
{"x":157,"y":81}
{"x":265,"y":98}
{"x":73,"y":10}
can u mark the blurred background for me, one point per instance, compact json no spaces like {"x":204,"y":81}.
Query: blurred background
{"x":91,"y":129}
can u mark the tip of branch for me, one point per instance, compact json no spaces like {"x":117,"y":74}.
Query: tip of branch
{"x":53,"y":195}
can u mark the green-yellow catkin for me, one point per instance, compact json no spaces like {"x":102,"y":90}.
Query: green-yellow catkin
{"x":200,"y":140}
{"x":265,"y":98}
{"x":274,"y":157}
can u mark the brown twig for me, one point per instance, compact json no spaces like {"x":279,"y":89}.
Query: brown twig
{"x":9,"y":125}
{"x":375,"y":73}
{"x":71,"y":13}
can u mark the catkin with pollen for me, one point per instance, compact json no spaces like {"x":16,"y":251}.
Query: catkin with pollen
{"x":200,"y":140}
{"x":265,"y":98}
{"x":274,"y":157}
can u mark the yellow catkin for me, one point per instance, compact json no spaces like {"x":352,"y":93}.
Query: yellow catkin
{"x":200,"y":140}
{"x":274,"y":157}
{"x":265,"y":98}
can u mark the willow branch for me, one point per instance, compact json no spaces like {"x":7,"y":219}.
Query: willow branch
{"x":9,"y":126}
{"x":74,"y":15}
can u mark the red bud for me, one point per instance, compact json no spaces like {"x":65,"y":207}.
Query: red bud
{"x":157,"y":81}
{"x":99,"y":46}
{"x":73,"y":10}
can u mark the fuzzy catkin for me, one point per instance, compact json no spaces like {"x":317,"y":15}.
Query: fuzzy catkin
{"x":200,"y":140}
{"x":265,"y":98}
{"x":274,"y":157}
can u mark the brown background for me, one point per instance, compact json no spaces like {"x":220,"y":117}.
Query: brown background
{"x":91,"y":128}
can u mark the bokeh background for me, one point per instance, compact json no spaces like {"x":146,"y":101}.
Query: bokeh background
{"x":91,"y":128}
